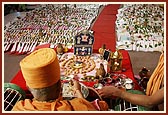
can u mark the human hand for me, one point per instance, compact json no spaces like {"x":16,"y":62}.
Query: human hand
{"x":109,"y":92}
{"x":77,"y":88}
{"x":76,"y":85}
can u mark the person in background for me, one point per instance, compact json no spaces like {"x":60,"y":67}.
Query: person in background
{"x":154,"y":97}
{"x":41,"y":72}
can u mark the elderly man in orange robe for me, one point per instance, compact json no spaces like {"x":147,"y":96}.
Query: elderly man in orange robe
{"x":41,"y":72}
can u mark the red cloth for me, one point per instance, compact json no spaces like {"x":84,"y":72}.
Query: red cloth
{"x":19,"y":80}
{"x":104,"y":33}
{"x":104,"y":28}
{"x":47,"y":45}
{"x":126,"y":63}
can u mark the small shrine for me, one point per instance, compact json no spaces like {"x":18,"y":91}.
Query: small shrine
{"x":116,"y":61}
{"x":83,"y":44}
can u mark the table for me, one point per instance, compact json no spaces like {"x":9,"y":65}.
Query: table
{"x":19,"y":80}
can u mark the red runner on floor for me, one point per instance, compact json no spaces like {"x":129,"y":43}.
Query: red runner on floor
{"x":104,"y":33}
{"x":104,"y":28}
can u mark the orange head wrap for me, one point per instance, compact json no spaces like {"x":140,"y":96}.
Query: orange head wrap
{"x":41,"y":68}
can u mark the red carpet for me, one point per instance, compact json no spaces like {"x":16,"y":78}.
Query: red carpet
{"x":104,"y":33}
{"x":104,"y":28}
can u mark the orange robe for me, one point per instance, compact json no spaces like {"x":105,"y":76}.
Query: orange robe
{"x":77,"y":104}
{"x":157,"y":78}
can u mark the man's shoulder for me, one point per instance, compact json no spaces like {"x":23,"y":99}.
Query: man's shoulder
{"x":20,"y":105}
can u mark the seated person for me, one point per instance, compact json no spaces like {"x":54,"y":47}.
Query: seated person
{"x":41,"y":72}
{"x":154,"y":91}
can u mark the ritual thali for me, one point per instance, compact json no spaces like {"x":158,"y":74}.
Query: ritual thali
{"x":85,"y":72}
{"x":80,"y":66}
{"x":69,"y":90}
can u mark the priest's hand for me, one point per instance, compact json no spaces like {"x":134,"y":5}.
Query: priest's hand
{"x":109,"y":92}
{"x":77,"y":88}
{"x":76,"y":85}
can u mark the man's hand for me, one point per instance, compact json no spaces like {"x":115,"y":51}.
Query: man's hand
{"x":76,"y":85}
{"x":109,"y":92}
{"x":77,"y":88}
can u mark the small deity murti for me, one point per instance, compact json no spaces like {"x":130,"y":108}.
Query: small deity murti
{"x":60,"y":49}
{"x":100,"y":72}
{"x":116,"y":61}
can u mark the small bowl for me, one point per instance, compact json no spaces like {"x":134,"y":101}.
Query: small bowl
{"x":98,"y":86}
{"x":129,"y":86}
{"x":108,"y":80}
